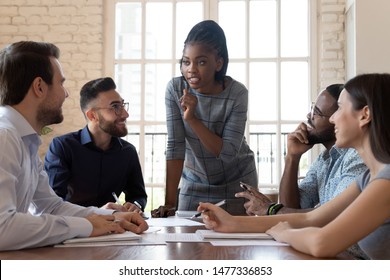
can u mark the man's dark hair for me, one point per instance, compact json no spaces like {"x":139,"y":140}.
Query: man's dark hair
{"x":20,"y":64}
{"x":335,"y":90}
{"x":91,"y":90}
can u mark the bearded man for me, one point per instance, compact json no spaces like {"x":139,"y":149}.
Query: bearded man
{"x":87,"y":166}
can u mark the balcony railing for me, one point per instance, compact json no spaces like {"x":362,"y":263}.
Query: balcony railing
{"x":264,"y":146}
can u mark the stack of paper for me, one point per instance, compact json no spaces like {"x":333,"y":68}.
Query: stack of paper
{"x":238,"y":239}
{"x":126,"y":236}
{"x":210,"y":234}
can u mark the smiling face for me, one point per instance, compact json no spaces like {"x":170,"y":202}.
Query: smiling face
{"x":108,"y":120}
{"x":346,"y":121}
{"x":199,"y":66}
{"x":320,"y":130}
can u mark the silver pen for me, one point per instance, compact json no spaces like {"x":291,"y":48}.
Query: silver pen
{"x":116,"y":198}
{"x":137,"y":204}
{"x":216,"y":204}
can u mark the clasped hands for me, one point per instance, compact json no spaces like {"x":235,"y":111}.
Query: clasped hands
{"x":119,"y":222}
{"x":163,"y":211}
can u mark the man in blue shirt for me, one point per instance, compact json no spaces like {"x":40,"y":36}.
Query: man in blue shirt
{"x":85,"y":167}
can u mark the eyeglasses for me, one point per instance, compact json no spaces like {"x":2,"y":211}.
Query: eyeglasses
{"x":117,"y":108}
{"x":314,"y":111}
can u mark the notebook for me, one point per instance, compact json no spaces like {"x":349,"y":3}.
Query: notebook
{"x":210,"y":234}
{"x":126,"y":236}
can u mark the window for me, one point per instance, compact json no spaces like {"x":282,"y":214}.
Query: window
{"x":269,"y":51}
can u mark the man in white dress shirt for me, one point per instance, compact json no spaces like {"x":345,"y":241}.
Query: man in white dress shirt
{"x":31,"y":215}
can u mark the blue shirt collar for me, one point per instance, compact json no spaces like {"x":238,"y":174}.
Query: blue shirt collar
{"x":85,"y":138}
{"x":334,"y":152}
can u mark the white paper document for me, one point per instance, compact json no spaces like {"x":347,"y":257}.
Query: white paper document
{"x":100,"y":244}
{"x":238,"y":239}
{"x":173,"y":221}
{"x":244,"y":242}
{"x":210,"y":234}
{"x":126,"y":236}
{"x":185,"y":214}
{"x":155,"y":237}
{"x":173,"y":237}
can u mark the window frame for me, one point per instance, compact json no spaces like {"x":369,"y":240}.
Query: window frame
{"x":210,"y":11}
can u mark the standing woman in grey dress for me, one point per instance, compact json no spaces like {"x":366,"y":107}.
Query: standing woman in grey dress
{"x":207,"y":154}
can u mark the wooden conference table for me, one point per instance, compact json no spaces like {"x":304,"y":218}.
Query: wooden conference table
{"x":171,"y":251}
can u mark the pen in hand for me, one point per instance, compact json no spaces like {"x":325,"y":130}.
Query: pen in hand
{"x":216,"y":204}
{"x":137,"y":204}
{"x":116,"y":198}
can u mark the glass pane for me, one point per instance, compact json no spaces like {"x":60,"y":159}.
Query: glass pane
{"x":304,"y":161}
{"x":156,"y":197}
{"x":157,"y":77}
{"x":237,"y":71}
{"x":188,"y":14}
{"x":234,"y":27}
{"x":128,"y":81}
{"x":294,"y":90}
{"x":158,"y":35}
{"x":262,"y":28}
{"x":128,"y":37}
{"x":294,"y":28}
{"x":263,"y":143}
{"x":133,"y":136}
{"x":262,"y":91}
{"x":155,"y":146}
{"x":177,"y":69}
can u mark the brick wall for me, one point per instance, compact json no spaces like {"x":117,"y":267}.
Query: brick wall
{"x":331,"y":37}
{"x":76,"y":27}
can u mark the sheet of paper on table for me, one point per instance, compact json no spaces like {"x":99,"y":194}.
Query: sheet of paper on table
{"x":154,"y":237}
{"x":210,"y":234}
{"x":126,"y":236}
{"x":173,"y":221}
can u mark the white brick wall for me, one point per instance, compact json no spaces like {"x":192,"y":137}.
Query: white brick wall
{"x":331,"y":37}
{"x":76,"y":27}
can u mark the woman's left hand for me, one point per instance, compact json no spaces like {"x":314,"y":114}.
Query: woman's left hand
{"x":278,"y":231}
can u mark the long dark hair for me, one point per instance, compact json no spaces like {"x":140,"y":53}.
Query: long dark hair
{"x":20,"y":64}
{"x":373,"y":90}
{"x":210,"y":35}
